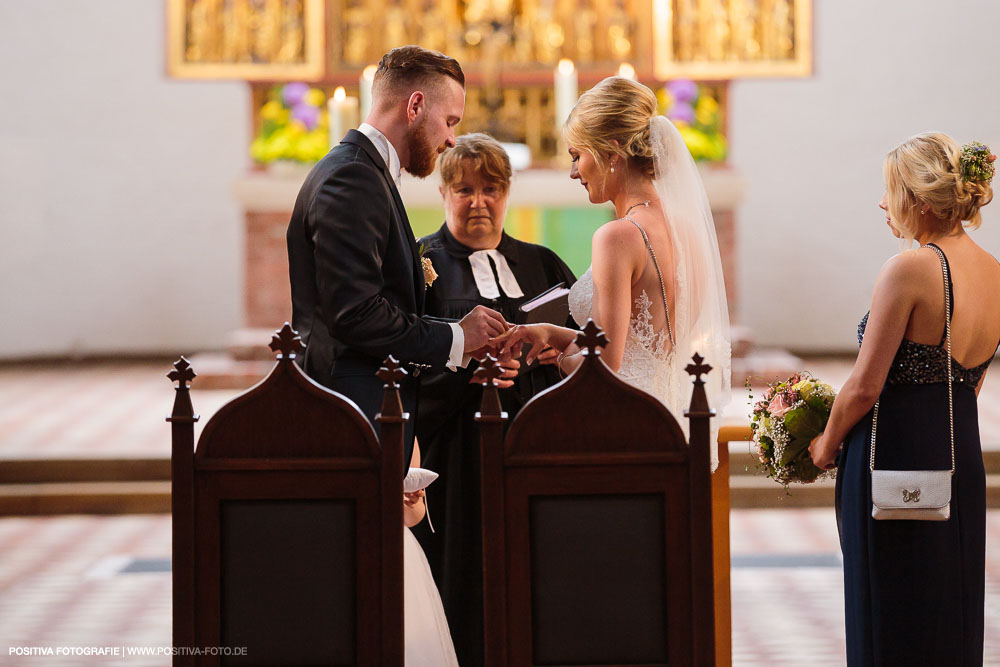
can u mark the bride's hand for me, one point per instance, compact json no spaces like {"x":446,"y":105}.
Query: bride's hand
{"x":536,"y":335}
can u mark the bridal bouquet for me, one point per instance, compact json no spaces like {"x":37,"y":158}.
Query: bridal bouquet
{"x":785,"y":421}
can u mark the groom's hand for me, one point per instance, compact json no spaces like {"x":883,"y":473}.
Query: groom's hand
{"x":480,"y":325}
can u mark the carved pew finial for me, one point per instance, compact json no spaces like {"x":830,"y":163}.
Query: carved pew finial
{"x":182,"y":374}
{"x":698,"y":368}
{"x":286,"y":342}
{"x":699,"y":400}
{"x":488,"y":374}
{"x":392,"y":374}
{"x":591,"y":339}
{"x":489,"y":371}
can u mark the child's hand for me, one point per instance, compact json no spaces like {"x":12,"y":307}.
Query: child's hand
{"x":411,"y":499}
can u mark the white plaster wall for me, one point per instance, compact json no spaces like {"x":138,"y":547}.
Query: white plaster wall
{"x":812,"y":239}
{"x":118,"y":232}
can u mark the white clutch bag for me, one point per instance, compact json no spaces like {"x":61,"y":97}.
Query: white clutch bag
{"x":911,"y":494}
{"x":417,"y":479}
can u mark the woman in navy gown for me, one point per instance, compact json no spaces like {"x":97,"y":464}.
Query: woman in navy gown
{"x":914,"y":589}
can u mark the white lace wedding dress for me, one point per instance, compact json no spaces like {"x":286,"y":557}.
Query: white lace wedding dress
{"x":646,"y":362}
{"x":650,"y":361}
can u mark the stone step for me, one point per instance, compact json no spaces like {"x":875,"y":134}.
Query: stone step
{"x":219,"y":370}
{"x":151,"y":497}
{"x":760,"y":492}
{"x":32,"y":471}
{"x":742,"y":462}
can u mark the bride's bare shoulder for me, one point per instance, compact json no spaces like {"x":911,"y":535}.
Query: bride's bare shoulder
{"x":619,"y":232}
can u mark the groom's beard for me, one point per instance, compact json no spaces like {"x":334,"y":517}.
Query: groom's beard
{"x":422,"y":154}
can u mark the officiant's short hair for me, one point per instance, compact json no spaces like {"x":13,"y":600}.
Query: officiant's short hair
{"x":483,"y":154}
{"x":412,"y":68}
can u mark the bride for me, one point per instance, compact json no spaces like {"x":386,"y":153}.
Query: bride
{"x":655,"y":284}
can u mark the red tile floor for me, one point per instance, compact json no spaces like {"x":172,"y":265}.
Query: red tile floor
{"x":73,"y":582}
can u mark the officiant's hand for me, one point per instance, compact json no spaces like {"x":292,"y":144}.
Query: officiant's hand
{"x":480,"y":325}
{"x":548,"y":356}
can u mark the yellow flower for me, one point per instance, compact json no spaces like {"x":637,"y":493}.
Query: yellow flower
{"x":430,"y":275}
{"x":664,"y":99}
{"x":705,"y":111}
{"x":696,"y":141}
{"x":271,"y":111}
{"x":315,"y":97}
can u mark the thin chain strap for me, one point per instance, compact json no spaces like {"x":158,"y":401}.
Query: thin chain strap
{"x":947,"y":330}
{"x":663,"y":290}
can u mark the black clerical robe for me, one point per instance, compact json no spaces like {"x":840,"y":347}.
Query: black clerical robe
{"x":449,"y":436}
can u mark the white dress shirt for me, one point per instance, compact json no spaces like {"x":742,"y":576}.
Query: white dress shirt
{"x":456,"y":357}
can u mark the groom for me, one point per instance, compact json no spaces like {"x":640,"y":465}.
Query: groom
{"x":355,"y":270}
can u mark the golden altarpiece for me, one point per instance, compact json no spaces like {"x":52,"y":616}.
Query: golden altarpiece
{"x":509,"y":49}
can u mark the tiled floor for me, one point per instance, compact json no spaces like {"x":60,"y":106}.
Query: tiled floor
{"x":61,"y":579}
{"x":62,"y":585}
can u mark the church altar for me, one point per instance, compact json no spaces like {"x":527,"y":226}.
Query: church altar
{"x":545,"y":207}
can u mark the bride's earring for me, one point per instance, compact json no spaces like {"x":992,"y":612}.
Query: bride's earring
{"x":612,"y":168}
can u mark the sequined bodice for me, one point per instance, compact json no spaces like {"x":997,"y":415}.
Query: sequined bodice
{"x":645,"y":363}
{"x":919,"y":363}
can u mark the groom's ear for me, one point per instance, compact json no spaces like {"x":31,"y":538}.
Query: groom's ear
{"x":415,"y":105}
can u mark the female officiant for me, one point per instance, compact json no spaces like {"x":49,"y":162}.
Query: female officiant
{"x":476,"y":263}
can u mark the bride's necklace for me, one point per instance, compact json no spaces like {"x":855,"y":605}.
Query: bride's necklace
{"x":642,"y":203}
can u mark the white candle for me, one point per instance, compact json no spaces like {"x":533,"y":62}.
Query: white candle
{"x":343,"y":114}
{"x":566,"y":90}
{"x":365,"y":90}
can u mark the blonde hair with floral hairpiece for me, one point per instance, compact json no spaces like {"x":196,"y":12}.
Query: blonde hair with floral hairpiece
{"x":612,"y":118}
{"x":927,"y":169}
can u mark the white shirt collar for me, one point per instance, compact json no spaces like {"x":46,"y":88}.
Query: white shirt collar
{"x":485,"y":280}
{"x":385,"y":149}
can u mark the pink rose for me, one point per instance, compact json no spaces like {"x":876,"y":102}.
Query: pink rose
{"x":779,"y":405}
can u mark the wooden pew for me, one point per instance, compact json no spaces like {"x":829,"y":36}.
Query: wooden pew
{"x":287,"y":524}
{"x":597,"y":524}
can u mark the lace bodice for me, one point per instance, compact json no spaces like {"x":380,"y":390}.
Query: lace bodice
{"x":646,"y":361}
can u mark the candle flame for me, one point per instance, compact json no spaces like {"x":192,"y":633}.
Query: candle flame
{"x":340,"y":94}
{"x":369,"y":72}
{"x":626,"y":70}
{"x":566,"y":66}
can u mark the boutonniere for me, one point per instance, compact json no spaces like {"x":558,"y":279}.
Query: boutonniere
{"x":430,"y":275}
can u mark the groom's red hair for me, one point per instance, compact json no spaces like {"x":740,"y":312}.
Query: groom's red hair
{"x":408,"y":68}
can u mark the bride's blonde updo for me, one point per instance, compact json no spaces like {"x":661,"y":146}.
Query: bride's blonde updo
{"x":933,"y":169}
{"x":615,"y":110}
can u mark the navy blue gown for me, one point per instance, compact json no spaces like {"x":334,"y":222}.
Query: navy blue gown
{"x":914,"y":589}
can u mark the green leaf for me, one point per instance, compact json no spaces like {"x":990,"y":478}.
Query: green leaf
{"x":803,"y":422}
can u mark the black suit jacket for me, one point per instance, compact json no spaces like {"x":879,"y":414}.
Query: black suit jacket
{"x":357,"y":284}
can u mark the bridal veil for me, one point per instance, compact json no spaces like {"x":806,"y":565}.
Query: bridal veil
{"x":701,"y":317}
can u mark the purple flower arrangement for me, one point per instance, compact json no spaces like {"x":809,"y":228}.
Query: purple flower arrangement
{"x":293,"y":125}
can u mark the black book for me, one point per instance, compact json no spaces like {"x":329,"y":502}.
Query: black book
{"x":550,"y":306}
